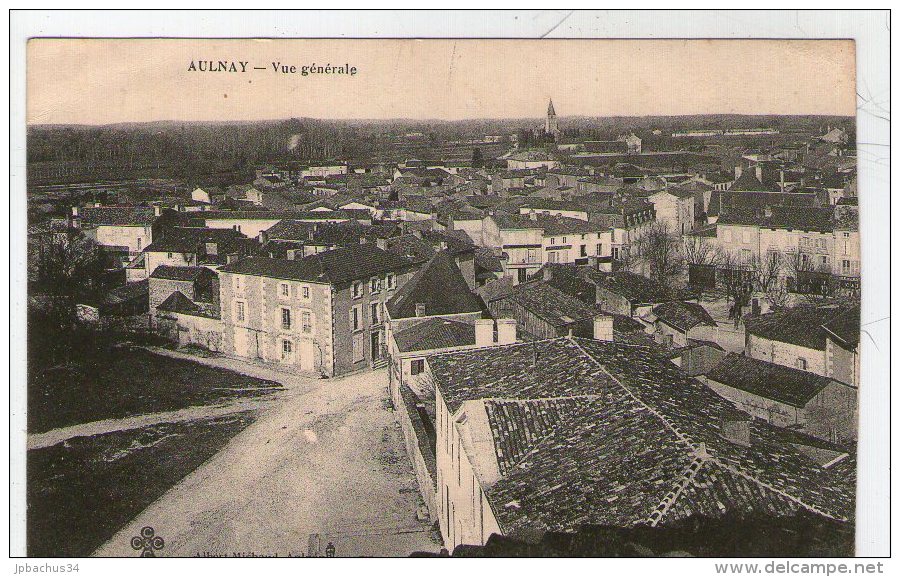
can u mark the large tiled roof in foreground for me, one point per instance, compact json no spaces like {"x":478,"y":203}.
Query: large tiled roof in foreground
{"x":591,"y":432}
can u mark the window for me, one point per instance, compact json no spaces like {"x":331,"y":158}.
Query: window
{"x":417,"y":366}
{"x":532,"y":255}
{"x":552,"y":240}
{"x":139,"y":243}
{"x":583,"y":250}
{"x":374,"y":313}
{"x":304,"y":291}
{"x":553,"y":257}
{"x":168,"y":255}
{"x":284,"y":289}
{"x":287,"y":347}
{"x":564,"y":240}
{"x":212,"y":248}
{"x":239,"y":311}
{"x":354,"y":319}
{"x":599,"y":249}
{"x":374,"y":285}
{"x":285,"y":318}
{"x":801,"y":364}
{"x":391,"y":282}
{"x":357,"y":290}
{"x":236,"y":282}
{"x":845,"y":266}
{"x":306,"y":321}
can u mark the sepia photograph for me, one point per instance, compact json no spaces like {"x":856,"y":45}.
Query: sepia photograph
{"x":443,"y":297}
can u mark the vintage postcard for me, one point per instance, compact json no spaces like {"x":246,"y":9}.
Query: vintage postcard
{"x":447,"y":297}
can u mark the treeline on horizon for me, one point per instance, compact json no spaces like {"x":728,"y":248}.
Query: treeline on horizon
{"x":188,"y":149}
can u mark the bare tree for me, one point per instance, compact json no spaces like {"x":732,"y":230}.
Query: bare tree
{"x":658,"y":249}
{"x":696,"y":249}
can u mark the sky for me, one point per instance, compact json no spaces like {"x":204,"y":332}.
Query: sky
{"x":103,"y":81}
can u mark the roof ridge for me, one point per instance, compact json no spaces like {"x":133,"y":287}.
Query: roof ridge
{"x":700,"y":448}
{"x":687,"y":476}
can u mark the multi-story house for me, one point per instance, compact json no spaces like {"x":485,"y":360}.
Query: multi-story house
{"x":323,"y":313}
{"x":528,"y":241}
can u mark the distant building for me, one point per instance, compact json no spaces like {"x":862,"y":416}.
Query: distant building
{"x":551,"y":124}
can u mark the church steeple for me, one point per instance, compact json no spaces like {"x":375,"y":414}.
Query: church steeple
{"x":551,"y":126}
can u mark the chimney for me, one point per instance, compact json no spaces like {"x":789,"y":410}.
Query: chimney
{"x":506,"y":331}
{"x":759,"y":172}
{"x":768,"y":211}
{"x":737,"y":431}
{"x":420,"y":309}
{"x":738,"y":170}
{"x":532,"y":215}
{"x":442,"y":245}
{"x":157,"y":210}
{"x":363,"y":240}
{"x":417,"y":233}
{"x":484,"y":332}
{"x":603,"y":328}
{"x":74,"y":211}
{"x":381,"y":243}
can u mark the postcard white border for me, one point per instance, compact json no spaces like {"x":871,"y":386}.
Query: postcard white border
{"x":870,"y":29}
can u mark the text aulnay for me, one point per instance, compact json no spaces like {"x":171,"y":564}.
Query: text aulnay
{"x":243,"y":66}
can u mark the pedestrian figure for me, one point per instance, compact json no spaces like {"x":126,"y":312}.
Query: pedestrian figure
{"x":329,"y":550}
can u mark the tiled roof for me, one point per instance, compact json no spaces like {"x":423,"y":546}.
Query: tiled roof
{"x":182,"y":273}
{"x":338,"y":266}
{"x":549,"y":303}
{"x":845,"y":327}
{"x":178,"y":303}
{"x":801,"y":325}
{"x":768,"y":380}
{"x":117,"y":215}
{"x":636,"y":288}
{"x":435,"y":333}
{"x":748,"y":181}
{"x":187,"y":240}
{"x":590,"y":432}
{"x":440,"y":286}
{"x":683,"y":315}
{"x":422,"y":248}
{"x":819,"y":219}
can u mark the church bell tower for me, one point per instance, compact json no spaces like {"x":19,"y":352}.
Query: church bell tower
{"x":551,"y":126}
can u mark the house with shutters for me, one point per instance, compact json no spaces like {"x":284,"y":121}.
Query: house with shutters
{"x":321,"y":313}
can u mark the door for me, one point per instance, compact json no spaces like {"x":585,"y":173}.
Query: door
{"x":307,"y":352}
{"x":241,"y":342}
{"x":376,"y":346}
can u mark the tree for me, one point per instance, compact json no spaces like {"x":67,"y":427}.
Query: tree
{"x":767,"y":278}
{"x":697,"y":249}
{"x":658,"y":249}
{"x":65,"y":266}
{"x":477,"y":158}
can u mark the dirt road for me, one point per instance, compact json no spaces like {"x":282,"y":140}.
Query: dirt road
{"x":325,"y":463}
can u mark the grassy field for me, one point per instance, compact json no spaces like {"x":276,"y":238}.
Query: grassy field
{"x":127,"y":383}
{"x":80,"y":493}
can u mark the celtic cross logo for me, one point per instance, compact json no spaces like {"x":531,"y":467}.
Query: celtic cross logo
{"x":147,"y":542}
